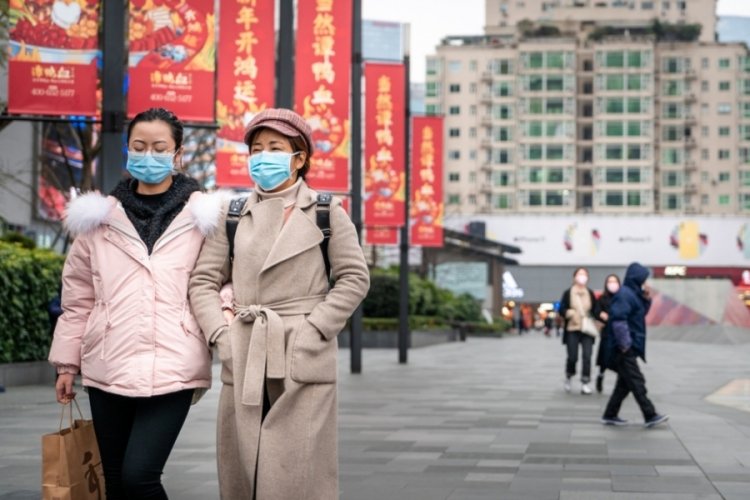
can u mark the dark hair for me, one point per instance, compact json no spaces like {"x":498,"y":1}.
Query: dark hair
{"x":607,"y":279}
{"x":160,"y":114}
{"x":297,"y":143}
{"x":580,"y":269}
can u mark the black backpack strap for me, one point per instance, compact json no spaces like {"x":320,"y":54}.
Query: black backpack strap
{"x":323,"y":220}
{"x":233,"y":220}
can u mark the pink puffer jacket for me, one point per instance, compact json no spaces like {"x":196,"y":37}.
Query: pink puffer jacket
{"x":127,"y":323}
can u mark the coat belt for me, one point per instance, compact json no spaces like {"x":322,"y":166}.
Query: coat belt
{"x":266,"y":353}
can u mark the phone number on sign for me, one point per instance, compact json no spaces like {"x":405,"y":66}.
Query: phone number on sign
{"x":53,"y":92}
{"x":171,"y":98}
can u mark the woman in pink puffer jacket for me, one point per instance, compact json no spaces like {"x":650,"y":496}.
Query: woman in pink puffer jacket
{"x":127,"y":326}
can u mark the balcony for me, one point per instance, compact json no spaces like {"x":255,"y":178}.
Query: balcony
{"x":691,"y":188}
{"x":691,"y":119}
{"x":485,"y":187}
{"x":691,"y":166}
{"x":690,"y":142}
{"x":691,"y":74}
{"x":486,"y":167}
{"x":485,"y":143}
{"x":486,"y":98}
{"x":486,"y":76}
{"x":486,"y":120}
{"x":691,"y":209}
{"x":690,"y":97}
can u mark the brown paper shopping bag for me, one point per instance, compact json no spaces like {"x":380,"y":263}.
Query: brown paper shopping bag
{"x":71,"y":465}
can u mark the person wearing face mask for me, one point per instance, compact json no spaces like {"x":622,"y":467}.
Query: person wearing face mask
{"x":276,"y":437}
{"x":626,"y":342}
{"x":601,"y":313}
{"x":577,"y":303}
{"x":127,"y":326}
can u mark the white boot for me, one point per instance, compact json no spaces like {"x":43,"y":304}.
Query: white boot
{"x":567,"y":384}
{"x":585,"y":389}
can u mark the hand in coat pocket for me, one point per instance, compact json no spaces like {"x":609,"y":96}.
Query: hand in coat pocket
{"x":313,"y":357}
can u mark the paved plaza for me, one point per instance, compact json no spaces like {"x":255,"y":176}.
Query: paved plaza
{"x":485,"y":419}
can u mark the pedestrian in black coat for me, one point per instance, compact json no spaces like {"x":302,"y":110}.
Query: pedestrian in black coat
{"x":601,"y":313}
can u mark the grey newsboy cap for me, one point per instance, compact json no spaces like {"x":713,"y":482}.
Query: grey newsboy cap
{"x":283,"y":121}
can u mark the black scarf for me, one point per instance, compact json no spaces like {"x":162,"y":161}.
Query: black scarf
{"x":151,"y":222}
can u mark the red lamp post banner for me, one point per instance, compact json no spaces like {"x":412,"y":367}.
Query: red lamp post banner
{"x":246,"y":73}
{"x":381,"y":235}
{"x":322,"y":75}
{"x":384,"y":144}
{"x":172,"y":57}
{"x":426,"y":217}
{"x":52,"y":57}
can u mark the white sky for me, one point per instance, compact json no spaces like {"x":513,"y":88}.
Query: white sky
{"x":431,"y":20}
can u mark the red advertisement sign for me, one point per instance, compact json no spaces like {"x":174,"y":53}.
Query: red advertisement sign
{"x":322,"y":75}
{"x":52,"y":57}
{"x":246,"y":75}
{"x":171,"y":59}
{"x":381,"y":236}
{"x":426,"y":217}
{"x":384,"y":173}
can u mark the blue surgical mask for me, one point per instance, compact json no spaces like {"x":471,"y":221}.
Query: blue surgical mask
{"x":270,"y":169}
{"x":150,"y":168}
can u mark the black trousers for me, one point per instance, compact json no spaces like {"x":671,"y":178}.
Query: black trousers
{"x":629,"y":379}
{"x":572,"y":341}
{"x":135,"y":437}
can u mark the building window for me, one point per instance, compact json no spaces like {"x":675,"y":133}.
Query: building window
{"x":473,"y":88}
{"x":724,"y":200}
{"x":433,"y":66}
{"x":615,"y":59}
{"x":672,"y":65}
{"x":671,"y":156}
{"x":502,"y":178}
{"x":672,"y":179}
{"x":454,"y":177}
{"x":502,"y":201}
{"x":473,"y":65}
{"x":613,"y":152}
{"x":673,"y":87}
{"x":432,"y":89}
{"x":725,"y":63}
{"x":454,"y":110}
{"x":634,"y":198}
{"x":454,"y":132}
{"x":454,"y":199}
{"x":472,"y":155}
{"x":473,"y":110}
{"x":647,"y":5}
{"x":744,"y":201}
{"x":554,"y":198}
{"x":724,"y":176}
{"x":614,"y":176}
{"x":724,"y":131}
{"x":503,"y":66}
{"x":723,"y":154}
{"x":704,"y":86}
{"x":724,"y":86}
{"x":704,"y":63}
{"x":672,"y":201}
{"x":432,"y":109}
{"x":454,"y":88}
{"x":704,"y":154}
{"x":705,"y":131}
{"x":535,"y":198}
{"x":454,"y":155}
{"x":472,"y":199}
{"x":744,"y":177}
{"x":613,"y":198}
{"x":724,"y":108}
{"x":472,"y":131}
{"x":704,"y":199}
{"x":672,"y":133}
{"x":454,"y":67}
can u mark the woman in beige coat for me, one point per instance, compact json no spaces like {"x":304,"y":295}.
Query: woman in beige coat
{"x":277,"y":412}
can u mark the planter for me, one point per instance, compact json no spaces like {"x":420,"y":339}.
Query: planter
{"x":388,"y":339}
{"x":27,"y":373}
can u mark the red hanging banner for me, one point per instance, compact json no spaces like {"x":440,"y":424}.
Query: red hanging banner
{"x":385,"y":159}
{"x":245,"y":82}
{"x":321,"y":85}
{"x":172,"y":57}
{"x":52,"y":57}
{"x":381,"y":236}
{"x":426,"y":217}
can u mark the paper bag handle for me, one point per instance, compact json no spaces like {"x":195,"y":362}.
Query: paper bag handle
{"x":70,"y":407}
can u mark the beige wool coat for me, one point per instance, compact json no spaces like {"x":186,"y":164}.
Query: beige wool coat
{"x":283,"y":341}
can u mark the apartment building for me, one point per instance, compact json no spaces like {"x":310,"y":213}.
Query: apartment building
{"x":581,"y":113}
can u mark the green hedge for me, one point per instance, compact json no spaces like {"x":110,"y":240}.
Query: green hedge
{"x":29,"y":279}
{"x":425,"y":299}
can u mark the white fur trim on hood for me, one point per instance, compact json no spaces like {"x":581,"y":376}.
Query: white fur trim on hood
{"x":206,"y":211}
{"x":86,"y":213}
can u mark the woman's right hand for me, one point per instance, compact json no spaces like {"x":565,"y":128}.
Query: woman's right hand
{"x":64,"y":388}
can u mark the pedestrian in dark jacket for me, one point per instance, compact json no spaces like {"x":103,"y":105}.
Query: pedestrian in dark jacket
{"x":577,"y":303}
{"x":626,"y":341}
{"x":601,"y":313}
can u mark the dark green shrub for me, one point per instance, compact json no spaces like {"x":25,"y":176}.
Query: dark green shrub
{"x":28,"y":280}
{"x":14,"y":237}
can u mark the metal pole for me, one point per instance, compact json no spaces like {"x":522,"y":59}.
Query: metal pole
{"x":403,"y":316}
{"x":355,"y":339}
{"x":113,"y":100}
{"x":285,"y":61}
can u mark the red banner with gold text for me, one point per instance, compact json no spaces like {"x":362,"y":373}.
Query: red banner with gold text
{"x":52,"y":57}
{"x":385,"y":154}
{"x":321,"y":87}
{"x":426,"y":217}
{"x":246,"y":75}
{"x":172,"y":57}
{"x":381,"y":236}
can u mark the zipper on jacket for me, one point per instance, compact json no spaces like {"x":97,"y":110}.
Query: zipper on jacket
{"x":107,"y":326}
{"x":172,"y":234}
